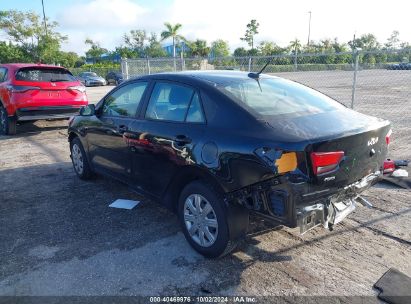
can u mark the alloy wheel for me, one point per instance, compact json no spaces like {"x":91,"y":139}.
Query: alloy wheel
{"x":3,"y":120}
{"x":200,"y":220}
{"x":77,"y":158}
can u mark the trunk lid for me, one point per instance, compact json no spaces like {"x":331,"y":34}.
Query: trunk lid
{"x":361,"y":137}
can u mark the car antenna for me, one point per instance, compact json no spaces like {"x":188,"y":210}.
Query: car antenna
{"x":257,"y":75}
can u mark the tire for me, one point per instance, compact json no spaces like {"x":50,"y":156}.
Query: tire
{"x":217,"y":241}
{"x":8,"y":125}
{"x":79,"y":160}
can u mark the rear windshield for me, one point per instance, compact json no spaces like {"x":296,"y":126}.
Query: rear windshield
{"x":276,"y":96}
{"x":44,"y":74}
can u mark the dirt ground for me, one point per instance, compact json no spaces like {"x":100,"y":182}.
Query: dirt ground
{"x":59,"y":237}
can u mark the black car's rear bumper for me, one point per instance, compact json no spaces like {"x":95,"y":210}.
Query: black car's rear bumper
{"x":54,"y":112}
{"x":300,"y":205}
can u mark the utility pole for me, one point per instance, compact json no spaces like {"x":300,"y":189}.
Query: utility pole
{"x":44,"y":17}
{"x":309,"y":29}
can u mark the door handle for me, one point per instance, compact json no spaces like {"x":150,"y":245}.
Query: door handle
{"x":122,"y":129}
{"x":182,"y":139}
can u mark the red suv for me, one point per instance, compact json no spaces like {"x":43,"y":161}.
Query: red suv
{"x":37,"y":91}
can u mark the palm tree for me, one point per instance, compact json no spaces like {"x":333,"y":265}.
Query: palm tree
{"x":172,"y":31}
{"x":199,"y":48}
{"x":295,"y":45}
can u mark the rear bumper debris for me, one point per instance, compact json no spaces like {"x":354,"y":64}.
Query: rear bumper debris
{"x":338,"y":207}
{"x":289,"y":203}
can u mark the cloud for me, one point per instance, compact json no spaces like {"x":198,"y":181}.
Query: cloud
{"x":101,"y":14}
{"x":280,"y":21}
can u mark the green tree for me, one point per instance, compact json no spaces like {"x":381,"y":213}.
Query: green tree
{"x":367,"y":42}
{"x":240,"y":52}
{"x":199,"y":48}
{"x":154,"y":49}
{"x":220,"y":48}
{"x":295,"y":46}
{"x":95,"y":50}
{"x":251,"y":31}
{"x":69,"y":59}
{"x":12,"y":53}
{"x":172,"y":32}
{"x":125,"y":52}
{"x":268,"y":48}
{"x":136,"y":40}
{"x":393,"y":41}
{"x":26,"y":29}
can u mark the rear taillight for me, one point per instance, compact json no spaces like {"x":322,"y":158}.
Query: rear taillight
{"x":324,"y":162}
{"x":389,"y":166}
{"x":81,"y":89}
{"x":21,"y":89}
{"x":388,"y":137}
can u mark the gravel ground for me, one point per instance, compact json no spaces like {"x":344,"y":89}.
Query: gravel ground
{"x":58,"y":236}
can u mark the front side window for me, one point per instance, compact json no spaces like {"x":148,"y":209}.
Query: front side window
{"x":276,"y":96}
{"x":173,"y":102}
{"x":44,"y":74}
{"x":125,"y":100}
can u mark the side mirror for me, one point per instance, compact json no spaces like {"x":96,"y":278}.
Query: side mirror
{"x":88,"y":110}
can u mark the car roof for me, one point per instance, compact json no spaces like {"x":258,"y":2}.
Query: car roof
{"x":213,"y":76}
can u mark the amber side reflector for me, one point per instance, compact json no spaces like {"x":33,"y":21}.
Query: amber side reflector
{"x":287,"y":162}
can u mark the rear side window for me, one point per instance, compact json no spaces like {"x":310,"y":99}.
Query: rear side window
{"x":44,"y":74}
{"x":195,"y":112}
{"x":276,"y":96}
{"x":173,"y":102}
{"x":124,"y":101}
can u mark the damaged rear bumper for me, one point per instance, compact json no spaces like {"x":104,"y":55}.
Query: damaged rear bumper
{"x":338,"y":206}
{"x":288,"y":203}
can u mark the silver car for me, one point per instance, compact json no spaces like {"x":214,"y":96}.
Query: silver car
{"x":91,"y":79}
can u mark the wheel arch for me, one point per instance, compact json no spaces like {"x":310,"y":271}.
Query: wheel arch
{"x":72,"y":135}
{"x":185,"y":176}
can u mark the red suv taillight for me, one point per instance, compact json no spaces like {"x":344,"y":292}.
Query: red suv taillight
{"x":81,"y":89}
{"x":388,"y":137}
{"x":324,"y":162}
{"x":21,"y":89}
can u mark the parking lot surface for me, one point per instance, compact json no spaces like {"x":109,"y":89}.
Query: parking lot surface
{"x":59,"y":237}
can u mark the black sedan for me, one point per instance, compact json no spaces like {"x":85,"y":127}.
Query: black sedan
{"x":215,"y":146}
{"x":114,"y":78}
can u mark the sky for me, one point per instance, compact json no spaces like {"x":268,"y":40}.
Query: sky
{"x":106,"y":21}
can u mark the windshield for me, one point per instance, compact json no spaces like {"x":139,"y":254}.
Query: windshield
{"x":44,"y":74}
{"x":276,"y":96}
{"x":90,"y":74}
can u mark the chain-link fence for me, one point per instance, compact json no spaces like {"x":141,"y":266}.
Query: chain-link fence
{"x":349,"y":77}
{"x":377,"y":83}
{"x":99,"y":71}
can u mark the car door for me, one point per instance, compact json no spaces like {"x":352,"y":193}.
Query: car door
{"x":108,"y":149}
{"x":164,"y":138}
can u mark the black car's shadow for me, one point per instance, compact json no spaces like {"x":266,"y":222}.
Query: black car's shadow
{"x":50,"y":210}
